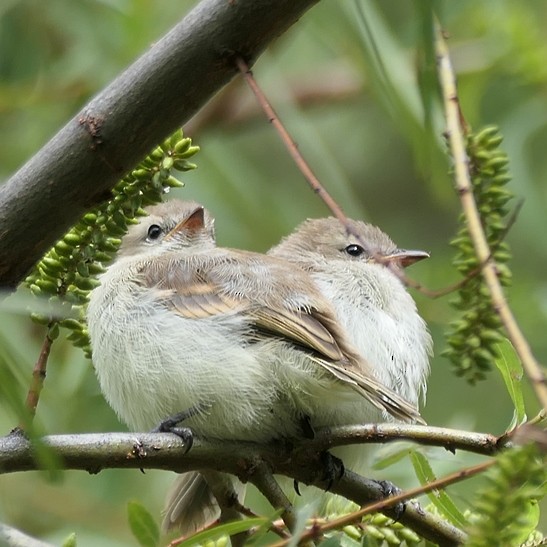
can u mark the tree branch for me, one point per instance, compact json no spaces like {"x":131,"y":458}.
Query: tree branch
{"x":451,"y":439}
{"x":94,"y":452}
{"x":158,"y":93}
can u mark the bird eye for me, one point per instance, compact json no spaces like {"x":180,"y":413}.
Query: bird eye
{"x":354,"y":250}
{"x":154,"y":231}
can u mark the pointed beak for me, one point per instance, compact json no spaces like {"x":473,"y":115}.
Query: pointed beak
{"x":191,"y":223}
{"x":405,"y":258}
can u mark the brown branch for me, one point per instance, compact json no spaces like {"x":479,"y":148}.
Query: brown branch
{"x":306,"y":170}
{"x":262,"y":477}
{"x":38,"y":378}
{"x":292,"y":147}
{"x":94,"y":452}
{"x":455,"y":134}
{"x":381,"y":506}
{"x":145,"y":104}
{"x":328,"y":85}
{"x":451,"y":439}
{"x":473,"y":273}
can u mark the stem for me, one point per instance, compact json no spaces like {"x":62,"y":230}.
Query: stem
{"x":455,"y":134}
{"x":38,"y":378}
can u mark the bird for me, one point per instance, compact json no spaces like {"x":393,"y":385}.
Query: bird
{"x":358,"y":269}
{"x":359,"y":272}
{"x":178,"y":323}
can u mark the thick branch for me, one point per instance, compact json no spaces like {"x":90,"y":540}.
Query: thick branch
{"x":154,"y":96}
{"x":93,"y":452}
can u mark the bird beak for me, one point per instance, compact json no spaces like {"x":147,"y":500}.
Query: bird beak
{"x":405,"y":258}
{"x":190,"y":225}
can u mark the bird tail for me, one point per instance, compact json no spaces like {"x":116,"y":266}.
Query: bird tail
{"x":191,"y":504}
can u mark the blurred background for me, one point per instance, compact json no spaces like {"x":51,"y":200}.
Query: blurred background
{"x":354,"y":82}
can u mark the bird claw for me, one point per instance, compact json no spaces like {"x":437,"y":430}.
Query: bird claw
{"x":333,"y":469}
{"x":389,"y":489}
{"x":171,"y":425}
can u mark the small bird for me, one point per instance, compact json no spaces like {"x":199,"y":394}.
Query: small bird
{"x":358,"y":272}
{"x":358,"y":276}
{"x":178,"y":324}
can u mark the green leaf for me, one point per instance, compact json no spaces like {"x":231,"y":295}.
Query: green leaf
{"x":510,"y":367}
{"x":70,"y":541}
{"x":506,"y":507}
{"x":143,"y":525}
{"x":529,"y":521}
{"x":442,"y":501}
{"x":334,"y":541}
{"x":228,"y":529}
{"x":391,"y":459}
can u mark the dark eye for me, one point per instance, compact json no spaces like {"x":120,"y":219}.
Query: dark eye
{"x":354,"y":250}
{"x":154,"y":231}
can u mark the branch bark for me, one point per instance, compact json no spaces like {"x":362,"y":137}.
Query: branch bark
{"x":94,"y":452}
{"x":158,"y":93}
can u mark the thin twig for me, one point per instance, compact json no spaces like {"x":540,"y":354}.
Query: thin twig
{"x":384,"y":504}
{"x":292,"y":147}
{"x":263,"y":479}
{"x":473,"y":273}
{"x":38,"y":377}
{"x":455,"y":134}
{"x":306,"y":170}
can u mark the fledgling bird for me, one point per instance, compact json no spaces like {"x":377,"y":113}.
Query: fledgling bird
{"x":371,"y":302}
{"x":358,"y":273}
{"x":178,"y":323}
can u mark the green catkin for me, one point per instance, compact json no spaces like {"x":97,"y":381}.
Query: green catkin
{"x":67,"y":272}
{"x":474,"y":335}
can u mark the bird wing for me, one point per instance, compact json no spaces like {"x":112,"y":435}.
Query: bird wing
{"x":301,"y":327}
{"x":377,"y":393}
{"x":195,"y":292}
{"x":199,"y":301}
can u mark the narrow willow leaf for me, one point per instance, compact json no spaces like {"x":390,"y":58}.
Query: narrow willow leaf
{"x":510,"y":367}
{"x":442,"y":501}
{"x":391,"y":459}
{"x":228,"y":529}
{"x":143,"y":525}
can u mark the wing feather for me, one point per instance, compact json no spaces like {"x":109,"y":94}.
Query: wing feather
{"x":195,"y":292}
{"x":379,"y":395}
{"x":301,"y":327}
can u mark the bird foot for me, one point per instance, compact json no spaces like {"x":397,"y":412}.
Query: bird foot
{"x":171,"y":425}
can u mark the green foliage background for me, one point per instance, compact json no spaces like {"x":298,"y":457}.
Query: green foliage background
{"x":366,"y":116}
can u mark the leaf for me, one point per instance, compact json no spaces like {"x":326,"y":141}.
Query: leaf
{"x":510,"y":367}
{"x":227,"y":529}
{"x":391,"y":459}
{"x":303,"y":515}
{"x":529,"y":521}
{"x":70,"y":541}
{"x":442,"y":501}
{"x":333,"y":541}
{"x":143,"y":525}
